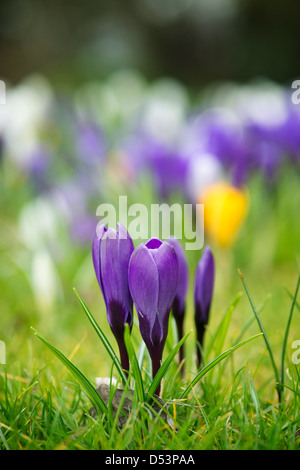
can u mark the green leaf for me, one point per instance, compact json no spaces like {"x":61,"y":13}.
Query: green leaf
{"x":219,"y":337}
{"x":213,"y":363}
{"x":91,"y":392}
{"x":163,"y":369}
{"x":102,"y":337}
{"x":136,"y":371}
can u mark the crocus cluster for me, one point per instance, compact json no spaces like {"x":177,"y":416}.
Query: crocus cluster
{"x":153,"y":276}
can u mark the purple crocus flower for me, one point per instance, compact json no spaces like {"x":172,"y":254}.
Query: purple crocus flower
{"x":168,"y":167}
{"x":153,"y":279}
{"x":90,"y":143}
{"x":111,"y":254}
{"x":83,"y":227}
{"x":178,"y":307}
{"x":169,"y":172}
{"x":203,"y":292}
{"x":38,"y":167}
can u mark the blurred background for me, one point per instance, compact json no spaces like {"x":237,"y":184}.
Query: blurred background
{"x":178,"y":101}
{"x":195,"y":41}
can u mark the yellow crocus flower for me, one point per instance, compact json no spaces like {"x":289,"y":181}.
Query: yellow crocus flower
{"x":225,"y":209}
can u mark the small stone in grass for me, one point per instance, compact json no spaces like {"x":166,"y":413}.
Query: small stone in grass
{"x":157,"y":406}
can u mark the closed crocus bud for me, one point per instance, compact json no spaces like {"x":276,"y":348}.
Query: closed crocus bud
{"x":203,"y":292}
{"x":111,"y":254}
{"x":178,"y":307}
{"x":153,"y":278}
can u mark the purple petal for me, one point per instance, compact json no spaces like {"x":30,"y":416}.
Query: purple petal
{"x":115,"y":254}
{"x":183,"y":274}
{"x":204,"y":284}
{"x":167,"y":265}
{"x":100,"y":230}
{"x":144,"y":286}
{"x":125,"y":250}
{"x":111,"y":255}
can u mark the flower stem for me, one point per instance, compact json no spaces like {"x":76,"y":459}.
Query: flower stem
{"x":200,"y":337}
{"x":179,"y":325}
{"x":123,"y":356}
{"x":156,"y":363}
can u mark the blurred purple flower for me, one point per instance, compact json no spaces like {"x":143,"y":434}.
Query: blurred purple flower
{"x":83,"y":228}
{"x":111,"y":254}
{"x":169,"y":172}
{"x":178,"y":306}
{"x":90,"y":143}
{"x":289,"y":133}
{"x":167,"y":167}
{"x":153,"y":279}
{"x":203,"y":293}
{"x":281,"y":137}
{"x":220,"y":134}
{"x":266,"y":157}
{"x":38,"y":166}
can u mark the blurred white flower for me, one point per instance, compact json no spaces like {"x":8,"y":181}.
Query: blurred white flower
{"x":38,"y":223}
{"x":22,"y":116}
{"x":263,"y":104}
{"x":203,"y":171}
{"x":164,"y":111}
{"x":45,"y":283}
{"x":38,"y":231}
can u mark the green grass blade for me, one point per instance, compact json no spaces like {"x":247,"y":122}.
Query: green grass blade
{"x":291,"y":296}
{"x":135,"y":369}
{"x":292,"y":390}
{"x":278,"y":387}
{"x":164,"y":367}
{"x":287,"y":332}
{"x":91,"y":392}
{"x":259,"y":418}
{"x":219,"y":337}
{"x":141,"y":354}
{"x":4,"y":440}
{"x":213,"y":363}
{"x":102,"y":337}
{"x":251,"y":320}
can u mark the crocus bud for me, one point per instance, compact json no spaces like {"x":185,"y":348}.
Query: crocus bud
{"x":153,"y":278}
{"x":111,"y":254}
{"x":178,"y":307}
{"x":203,"y":292}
